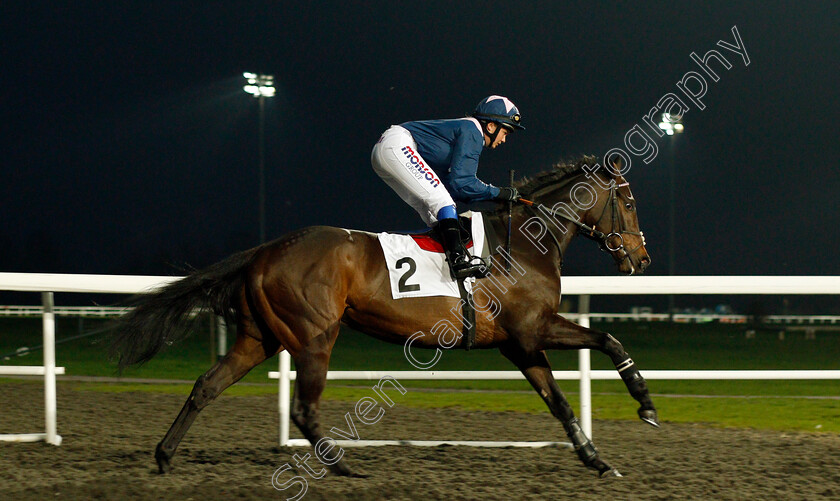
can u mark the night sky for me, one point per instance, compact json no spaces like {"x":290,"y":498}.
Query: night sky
{"x":130,"y":147}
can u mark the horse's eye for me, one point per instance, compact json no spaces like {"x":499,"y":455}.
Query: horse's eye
{"x":629,"y":206}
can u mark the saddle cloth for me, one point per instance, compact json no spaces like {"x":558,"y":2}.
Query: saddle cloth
{"x":417,"y":266}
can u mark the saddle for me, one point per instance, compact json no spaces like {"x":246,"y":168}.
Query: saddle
{"x":429,"y":240}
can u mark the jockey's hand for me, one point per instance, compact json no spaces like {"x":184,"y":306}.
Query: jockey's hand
{"x":508,"y":194}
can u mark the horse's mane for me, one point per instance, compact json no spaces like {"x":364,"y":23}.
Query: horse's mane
{"x":560,"y":172}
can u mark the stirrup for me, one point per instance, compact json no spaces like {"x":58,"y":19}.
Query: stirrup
{"x":467,"y":268}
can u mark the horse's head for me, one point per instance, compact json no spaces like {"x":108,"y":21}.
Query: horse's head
{"x":614,"y":215}
{"x":592,"y":201}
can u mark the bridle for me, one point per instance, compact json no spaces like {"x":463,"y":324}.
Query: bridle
{"x":591,"y":232}
{"x":617,"y":223}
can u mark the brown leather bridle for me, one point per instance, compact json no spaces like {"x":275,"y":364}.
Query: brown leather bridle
{"x":591,"y":232}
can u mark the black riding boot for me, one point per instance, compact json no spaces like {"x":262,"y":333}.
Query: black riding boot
{"x":459,"y":262}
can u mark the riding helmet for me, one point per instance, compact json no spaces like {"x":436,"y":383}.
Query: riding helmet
{"x":499,"y":109}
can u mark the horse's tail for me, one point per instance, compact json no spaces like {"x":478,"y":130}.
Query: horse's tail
{"x":163,"y":317}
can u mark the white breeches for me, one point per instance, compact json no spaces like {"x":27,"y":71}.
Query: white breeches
{"x":396,"y":160}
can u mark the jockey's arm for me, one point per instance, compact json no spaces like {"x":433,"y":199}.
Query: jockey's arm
{"x":463,"y":183}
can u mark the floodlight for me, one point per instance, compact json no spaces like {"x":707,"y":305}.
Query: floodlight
{"x":259,"y":85}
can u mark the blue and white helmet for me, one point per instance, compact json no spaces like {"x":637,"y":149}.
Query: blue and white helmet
{"x":499,"y":109}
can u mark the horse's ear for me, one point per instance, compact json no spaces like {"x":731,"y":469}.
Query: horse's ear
{"x":616,"y":163}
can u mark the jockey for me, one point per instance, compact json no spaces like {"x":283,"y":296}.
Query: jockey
{"x":434,"y":162}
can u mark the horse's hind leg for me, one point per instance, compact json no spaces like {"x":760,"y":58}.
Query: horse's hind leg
{"x":536,"y":369}
{"x":565,"y":335}
{"x":311,"y":366}
{"x":246,"y":353}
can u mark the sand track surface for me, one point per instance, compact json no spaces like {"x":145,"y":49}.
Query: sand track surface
{"x":231,"y":453}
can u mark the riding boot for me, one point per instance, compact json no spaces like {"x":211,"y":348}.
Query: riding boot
{"x":459,"y":263}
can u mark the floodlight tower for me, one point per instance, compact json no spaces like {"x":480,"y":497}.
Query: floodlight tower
{"x":260,"y":86}
{"x":672,"y":126}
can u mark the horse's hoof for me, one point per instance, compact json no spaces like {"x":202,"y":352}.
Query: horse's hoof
{"x":612,"y":472}
{"x":163,"y":466}
{"x":649,"y":416}
{"x":162,"y":461}
{"x":342,"y":470}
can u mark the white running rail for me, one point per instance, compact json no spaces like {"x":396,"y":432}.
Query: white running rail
{"x":46,"y":284}
{"x":581,"y":286}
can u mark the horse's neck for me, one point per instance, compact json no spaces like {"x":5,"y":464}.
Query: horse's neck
{"x":556,"y":242}
{"x":559,"y":196}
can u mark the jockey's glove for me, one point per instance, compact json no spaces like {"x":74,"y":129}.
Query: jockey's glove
{"x":508,"y":194}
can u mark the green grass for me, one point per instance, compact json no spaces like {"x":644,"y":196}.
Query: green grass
{"x":775,"y":413}
{"x":652,"y":345}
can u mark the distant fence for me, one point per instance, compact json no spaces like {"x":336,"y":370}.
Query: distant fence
{"x":115,"y":311}
{"x":63,"y":311}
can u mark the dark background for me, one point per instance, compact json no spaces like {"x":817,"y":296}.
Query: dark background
{"x":130,"y":147}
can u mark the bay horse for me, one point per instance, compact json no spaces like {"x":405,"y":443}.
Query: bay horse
{"x":294,"y":293}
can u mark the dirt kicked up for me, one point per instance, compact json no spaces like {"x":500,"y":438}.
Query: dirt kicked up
{"x":231,"y":453}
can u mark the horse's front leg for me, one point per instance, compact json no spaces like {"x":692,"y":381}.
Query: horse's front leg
{"x":565,"y":335}
{"x":534,"y":365}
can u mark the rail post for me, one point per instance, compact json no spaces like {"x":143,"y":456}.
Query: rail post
{"x":585,"y":369}
{"x":283,"y":403}
{"x":50,"y":411}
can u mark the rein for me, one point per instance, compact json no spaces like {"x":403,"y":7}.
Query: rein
{"x":591,"y":232}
